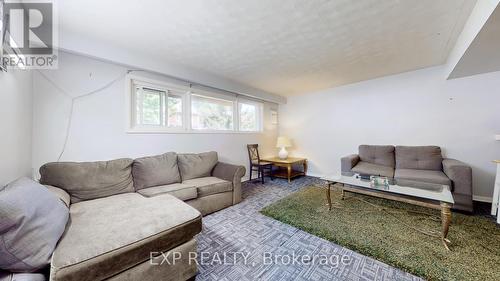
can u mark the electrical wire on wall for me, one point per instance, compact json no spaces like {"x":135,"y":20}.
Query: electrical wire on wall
{"x":77,"y":97}
{"x":74,"y":98}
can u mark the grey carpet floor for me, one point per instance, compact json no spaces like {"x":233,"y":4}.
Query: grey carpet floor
{"x":239,"y":243}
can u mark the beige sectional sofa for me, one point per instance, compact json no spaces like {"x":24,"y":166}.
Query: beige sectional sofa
{"x":124,"y":211}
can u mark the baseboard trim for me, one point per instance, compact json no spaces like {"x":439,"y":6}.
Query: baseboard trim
{"x":482,"y":198}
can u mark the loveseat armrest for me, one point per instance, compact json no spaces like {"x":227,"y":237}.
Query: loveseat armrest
{"x":461,"y":176}
{"x":348,"y":162}
{"x":60,"y":193}
{"x":232,"y":173}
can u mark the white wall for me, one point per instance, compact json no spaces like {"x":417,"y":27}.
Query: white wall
{"x":98,"y":126}
{"x":414,"y":108}
{"x":15,"y":124}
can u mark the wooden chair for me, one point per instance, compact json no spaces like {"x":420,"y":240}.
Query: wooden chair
{"x":257,"y":165}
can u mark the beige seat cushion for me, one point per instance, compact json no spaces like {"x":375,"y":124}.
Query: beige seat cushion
{"x":210,"y":185}
{"x":109,"y":235}
{"x":422,"y":175}
{"x":373,"y":169}
{"x":182,"y":191}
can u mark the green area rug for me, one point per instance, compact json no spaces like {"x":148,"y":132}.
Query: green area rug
{"x":360,"y":224}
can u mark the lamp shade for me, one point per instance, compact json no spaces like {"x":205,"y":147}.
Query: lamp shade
{"x":283,"y":142}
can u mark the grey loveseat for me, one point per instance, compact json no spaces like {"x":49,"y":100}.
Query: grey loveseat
{"x":124,"y":212}
{"x":420,"y":163}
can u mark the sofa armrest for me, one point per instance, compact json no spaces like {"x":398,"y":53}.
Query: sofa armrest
{"x":232,"y":173}
{"x":60,"y":193}
{"x":348,"y":162}
{"x":460,"y":174}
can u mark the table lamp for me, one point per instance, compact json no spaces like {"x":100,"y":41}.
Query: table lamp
{"x":282,"y":143}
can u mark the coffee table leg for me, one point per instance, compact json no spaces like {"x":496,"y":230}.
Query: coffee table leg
{"x":328,"y":198}
{"x":445,"y":220}
{"x":289,"y":172}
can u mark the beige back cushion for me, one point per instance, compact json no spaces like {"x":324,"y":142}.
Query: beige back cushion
{"x":89,"y":180}
{"x":377,"y":154}
{"x":156,"y":170}
{"x":198,"y":165}
{"x":419,"y":157}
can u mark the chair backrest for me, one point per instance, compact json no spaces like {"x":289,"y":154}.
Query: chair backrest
{"x":253,"y":153}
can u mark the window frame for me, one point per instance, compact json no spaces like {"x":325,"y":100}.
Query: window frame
{"x":132,"y":82}
{"x":182,"y":96}
{"x":260,"y":114}
{"x":215,"y":96}
{"x":185,"y":92}
{"x":138,"y":107}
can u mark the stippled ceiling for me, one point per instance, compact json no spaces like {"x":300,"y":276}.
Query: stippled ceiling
{"x":285,"y":47}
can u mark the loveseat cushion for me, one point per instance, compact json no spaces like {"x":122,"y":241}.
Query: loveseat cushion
{"x":109,"y":235}
{"x":196,"y":165}
{"x":377,"y":154}
{"x":210,"y":185}
{"x":32,"y":220}
{"x":155,"y":170}
{"x":422,"y":175}
{"x":89,"y":180}
{"x":419,"y":157}
{"x":373,"y":169}
{"x":182,"y":191}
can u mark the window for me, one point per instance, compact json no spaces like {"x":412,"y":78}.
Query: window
{"x":157,"y":108}
{"x":174,"y":111}
{"x":149,"y":107}
{"x":160,"y":107}
{"x":208,"y":113}
{"x":249,"y":116}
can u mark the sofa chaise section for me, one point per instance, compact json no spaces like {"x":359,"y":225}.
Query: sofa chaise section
{"x":110,"y":235}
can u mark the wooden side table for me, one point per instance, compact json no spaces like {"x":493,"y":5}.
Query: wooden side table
{"x":288,"y":172}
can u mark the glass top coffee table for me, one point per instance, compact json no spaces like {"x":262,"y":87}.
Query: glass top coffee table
{"x":435,"y":196}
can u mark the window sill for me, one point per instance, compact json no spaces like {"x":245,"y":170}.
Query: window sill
{"x":183,"y":131}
